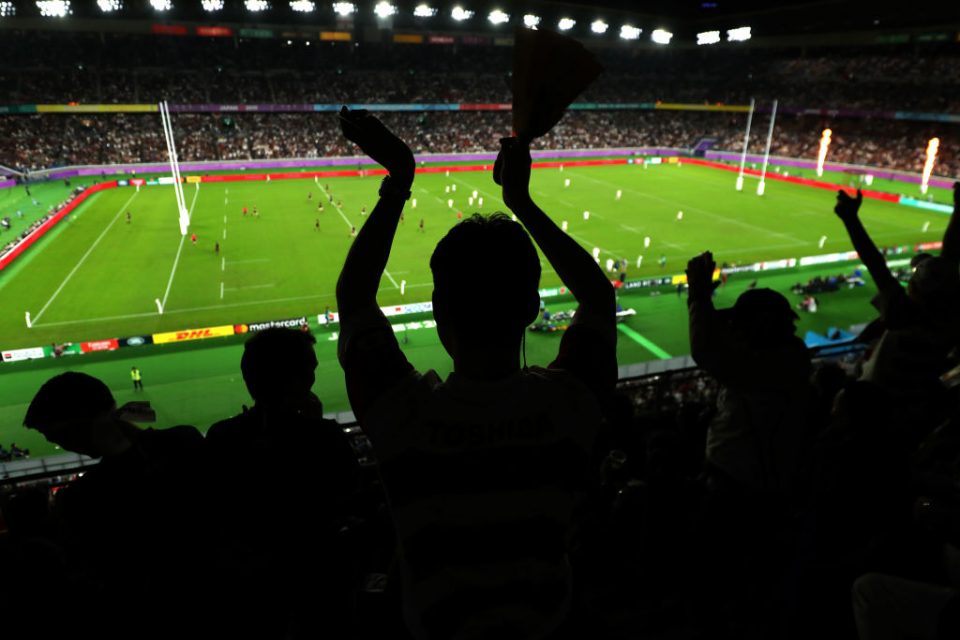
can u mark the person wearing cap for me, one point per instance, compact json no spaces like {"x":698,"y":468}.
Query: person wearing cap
{"x":130,"y":522}
{"x":757,"y":440}
{"x":921,"y":323}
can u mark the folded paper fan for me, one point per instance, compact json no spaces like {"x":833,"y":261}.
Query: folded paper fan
{"x":549,"y":72}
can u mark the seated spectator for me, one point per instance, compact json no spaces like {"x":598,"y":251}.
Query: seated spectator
{"x":132,"y":522}
{"x":483,"y":470}
{"x":284,"y":475}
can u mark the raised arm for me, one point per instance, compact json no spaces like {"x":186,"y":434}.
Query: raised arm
{"x":369,"y":354}
{"x":367,"y":258}
{"x":847,"y":209}
{"x":951,"y":237}
{"x":575,"y":267}
{"x":707,"y":337}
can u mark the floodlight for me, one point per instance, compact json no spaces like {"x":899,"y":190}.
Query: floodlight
{"x":661,"y":36}
{"x":109,"y":6}
{"x":54,"y":8}
{"x":161,"y":5}
{"x":344,"y":9}
{"x":424,"y":11}
{"x":384,"y":10}
{"x":302,"y":6}
{"x":256,"y":6}
{"x":566,"y":24}
{"x":740,"y":34}
{"x":498,"y":17}
{"x":531,"y":21}
{"x":460,"y":14}
{"x":628,"y":32}
{"x":7,"y":10}
{"x":708,"y":37}
{"x":599,"y":26}
{"x":212,"y":6}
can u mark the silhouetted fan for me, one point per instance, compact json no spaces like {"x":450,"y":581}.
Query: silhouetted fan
{"x":549,"y":72}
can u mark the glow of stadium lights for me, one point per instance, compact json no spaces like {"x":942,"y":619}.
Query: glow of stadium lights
{"x":531,"y":21}
{"x":740,"y":34}
{"x":384,"y":10}
{"x":344,"y":9}
{"x":212,"y":6}
{"x":460,"y":14}
{"x":708,"y":37}
{"x":424,"y":11}
{"x":599,"y":26}
{"x":498,"y":17}
{"x":629,"y":32}
{"x":161,"y":5}
{"x":7,"y":10}
{"x":255,"y":6}
{"x":661,"y":36}
{"x":302,"y":6}
{"x":566,"y":24}
{"x":54,"y":8}
{"x":109,"y":6}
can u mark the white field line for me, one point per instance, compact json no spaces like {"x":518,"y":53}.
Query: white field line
{"x":176,"y":260}
{"x":83,"y":258}
{"x":131,"y":316}
{"x":250,"y":261}
{"x":351,"y":225}
{"x":224,"y":233}
{"x":221,"y":289}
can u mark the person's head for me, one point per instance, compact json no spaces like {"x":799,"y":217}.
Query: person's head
{"x":934,"y":281}
{"x":763,"y":317}
{"x":486,"y":274}
{"x":70,"y":410}
{"x":278,"y":365}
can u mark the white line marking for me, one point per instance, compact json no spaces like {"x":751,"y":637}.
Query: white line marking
{"x":339,"y":210}
{"x":166,"y":312}
{"x":176,"y":259}
{"x":223,"y":264}
{"x":390,"y":277}
{"x":83,"y":259}
{"x":221,"y":289}
{"x":224,"y":234}
{"x":224,"y":219}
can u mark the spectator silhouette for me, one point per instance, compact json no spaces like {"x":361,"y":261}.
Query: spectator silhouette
{"x":131,"y":522}
{"x":284,"y":475}
{"x":483,"y":470}
{"x":759,"y":440}
{"x":922,"y":323}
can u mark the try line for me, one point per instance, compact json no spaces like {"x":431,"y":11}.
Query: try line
{"x":83,"y":258}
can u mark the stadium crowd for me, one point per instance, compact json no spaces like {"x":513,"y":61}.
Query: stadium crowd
{"x":767,"y":495}
{"x":123,"y":69}
{"x":42,"y":141}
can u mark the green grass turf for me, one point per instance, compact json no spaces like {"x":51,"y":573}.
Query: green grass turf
{"x":278,"y":265}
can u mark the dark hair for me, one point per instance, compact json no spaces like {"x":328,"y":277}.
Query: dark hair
{"x":765,"y":316}
{"x":486,"y":257}
{"x":278,"y":360}
{"x":70,"y":396}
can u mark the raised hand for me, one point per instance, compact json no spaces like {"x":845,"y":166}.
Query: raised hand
{"x":700,"y":274}
{"x":512,"y":171}
{"x":378,"y":142}
{"x":847,"y":207}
